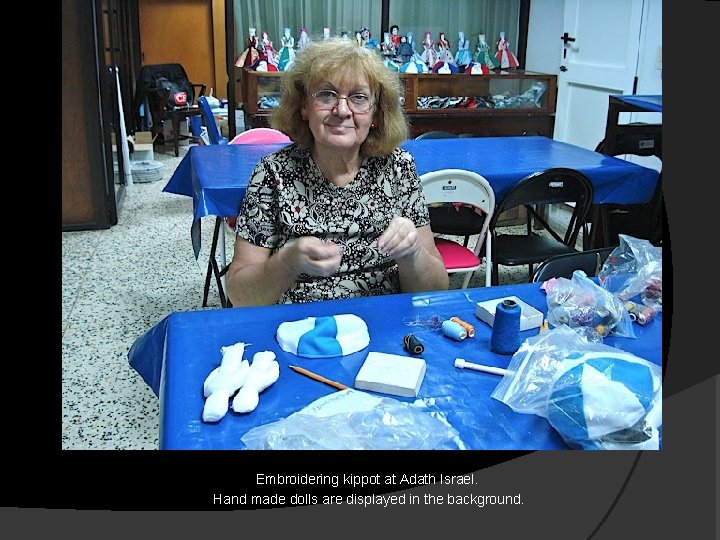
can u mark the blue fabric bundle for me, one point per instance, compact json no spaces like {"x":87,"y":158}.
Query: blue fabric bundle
{"x":604,"y":399}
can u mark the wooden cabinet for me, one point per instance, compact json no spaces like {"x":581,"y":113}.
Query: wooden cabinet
{"x":520,"y":102}
{"x":517,"y":103}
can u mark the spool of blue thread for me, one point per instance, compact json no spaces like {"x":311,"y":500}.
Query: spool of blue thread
{"x":505,"y":338}
{"x":453,"y":330}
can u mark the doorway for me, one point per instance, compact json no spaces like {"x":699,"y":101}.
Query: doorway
{"x":181,"y":31}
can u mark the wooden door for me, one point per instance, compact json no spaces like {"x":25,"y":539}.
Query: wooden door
{"x":179,"y":31}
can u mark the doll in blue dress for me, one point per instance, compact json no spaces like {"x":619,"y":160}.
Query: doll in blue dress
{"x":411,"y":41}
{"x":463,"y":57}
{"x":367,"y":40}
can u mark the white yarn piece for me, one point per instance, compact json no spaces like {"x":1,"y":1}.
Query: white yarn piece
{"x":263,"y":372}
{"x":224,"y":381}
{"x":216,"y":406}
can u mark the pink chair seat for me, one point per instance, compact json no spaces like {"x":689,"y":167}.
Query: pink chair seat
{"x":255,"y":136}
{"x":456,"y":256}
{"x":260,"y":136}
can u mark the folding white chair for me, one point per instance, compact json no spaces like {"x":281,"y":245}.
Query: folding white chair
{"x":468,"y":197}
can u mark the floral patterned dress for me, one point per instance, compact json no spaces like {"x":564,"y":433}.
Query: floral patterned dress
{"x":288,"y":197}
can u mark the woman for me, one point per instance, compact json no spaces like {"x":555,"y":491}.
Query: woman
{"x":340,"y":213}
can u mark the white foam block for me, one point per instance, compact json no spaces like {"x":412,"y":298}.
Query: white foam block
{"x":529,"y":316}
{"x":391,"y":374}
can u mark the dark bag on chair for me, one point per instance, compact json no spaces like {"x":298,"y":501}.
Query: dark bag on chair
{"x":178,"y":97}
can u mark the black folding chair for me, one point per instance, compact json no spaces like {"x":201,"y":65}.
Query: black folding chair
{"x":589,"y":261}
{"x":531,"y":247}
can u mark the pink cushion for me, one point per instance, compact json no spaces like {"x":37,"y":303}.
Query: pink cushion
{"x":456,"y":256}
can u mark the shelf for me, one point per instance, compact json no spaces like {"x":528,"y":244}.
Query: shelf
{"x":519,"y":102}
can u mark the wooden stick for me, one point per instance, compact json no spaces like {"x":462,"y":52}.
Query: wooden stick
{"x":317,"y":377}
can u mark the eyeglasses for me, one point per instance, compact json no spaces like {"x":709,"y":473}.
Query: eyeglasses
{"x":357,"y":103}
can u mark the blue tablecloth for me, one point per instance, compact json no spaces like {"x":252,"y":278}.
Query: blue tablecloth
{"x":216,"y":176}
{"x":176,"y":355}
{"x":648,"y":103}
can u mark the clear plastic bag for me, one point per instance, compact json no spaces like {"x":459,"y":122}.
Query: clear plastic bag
{"x":634,"y":268}
{"x":596,"y":396}
{"x":353,"y":420}
{"x":586,"y":307}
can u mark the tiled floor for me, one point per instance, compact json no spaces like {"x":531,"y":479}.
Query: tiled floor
{"x":119,"y":282}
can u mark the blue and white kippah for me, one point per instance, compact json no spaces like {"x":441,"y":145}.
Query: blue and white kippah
{"x":604,"y":397}
{"x":324,"y":337}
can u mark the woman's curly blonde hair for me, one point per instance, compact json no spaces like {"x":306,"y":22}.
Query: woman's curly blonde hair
{"x":338,"y":58}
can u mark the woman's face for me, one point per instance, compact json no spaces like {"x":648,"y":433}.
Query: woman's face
{"x":339,"y":128}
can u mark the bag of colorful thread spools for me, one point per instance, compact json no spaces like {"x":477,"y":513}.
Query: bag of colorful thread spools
{"x":597,"y":397}
{"x":586,"y":307}
{"x":633,"y":271}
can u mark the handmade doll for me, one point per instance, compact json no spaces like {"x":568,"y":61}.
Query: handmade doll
{"x":411,"y":41}
{"x":388,"y":47}
{"x":429,"y":55}
{"x":483,"y":55}
{"x":251,"y":54}
{"x":303,"y":40}
{"x":463,"y":56}
{"x":504,"y":55}
{"x":395,"y":35}
{"x":404,"y":50}
{"x":443,"y":49}
{"x":287,"y":52}
{"x":367,"y":39}
{"x":267,"y":50}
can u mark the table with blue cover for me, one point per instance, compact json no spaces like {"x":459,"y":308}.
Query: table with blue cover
{"x":175,"y":356}
{"x":640,"y":138}
{"x":646,"y":219}
{"x":216,"y":176}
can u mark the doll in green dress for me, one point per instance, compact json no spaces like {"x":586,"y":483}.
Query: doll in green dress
{"x":287,"y":51}
{"x":483,"y":56}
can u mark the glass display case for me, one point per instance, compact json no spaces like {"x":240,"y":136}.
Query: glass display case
{"x":517,"y":103}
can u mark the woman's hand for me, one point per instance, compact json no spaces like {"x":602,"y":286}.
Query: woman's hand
{"x":312,"y":256}
{"x":400,"y":239}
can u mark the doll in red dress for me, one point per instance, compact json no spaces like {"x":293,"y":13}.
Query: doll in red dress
{"x":251,"y":54}
{"x":429,"y":54}
{"x":504,"y":55}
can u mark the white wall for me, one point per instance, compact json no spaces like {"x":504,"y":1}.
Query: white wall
{"x":650,"y":64}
